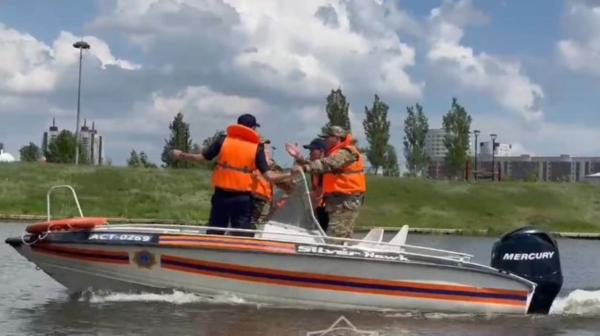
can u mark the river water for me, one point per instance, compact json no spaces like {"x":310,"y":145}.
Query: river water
{"x":32,"y":303}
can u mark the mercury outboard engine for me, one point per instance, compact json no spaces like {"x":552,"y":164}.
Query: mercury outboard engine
{"x":531,"y":253}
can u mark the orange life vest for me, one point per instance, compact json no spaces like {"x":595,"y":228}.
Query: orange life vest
{"x":236,"y":160}
{"x":349,"y":180}
{"x":261,"y":188}
{"x":317,"y":194}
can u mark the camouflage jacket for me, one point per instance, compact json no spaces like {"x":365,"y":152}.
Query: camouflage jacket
{"x":340,"y":159}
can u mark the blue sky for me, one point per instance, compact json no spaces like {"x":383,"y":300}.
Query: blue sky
{"x":148,"y":62}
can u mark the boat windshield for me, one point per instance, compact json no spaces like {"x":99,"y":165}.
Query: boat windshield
{"x":295,"y":209}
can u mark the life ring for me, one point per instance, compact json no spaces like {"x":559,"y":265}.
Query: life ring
{"x":81,"y":223}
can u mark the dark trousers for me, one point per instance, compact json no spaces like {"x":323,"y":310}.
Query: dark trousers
{"x":231,"y":207}
{"x":322,"y":217}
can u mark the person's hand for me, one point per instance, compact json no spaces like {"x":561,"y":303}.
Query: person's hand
{"x":297,"y":170}
{"x":293,"y":150}
{"x":287,"y":186}
{"x":176,"y":154}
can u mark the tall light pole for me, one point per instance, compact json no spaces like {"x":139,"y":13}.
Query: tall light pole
{"x":79,"y":45}
{"x":476,"y":132}
{"x":493,"y":136}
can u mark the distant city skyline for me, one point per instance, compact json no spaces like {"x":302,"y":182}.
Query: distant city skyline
{"x":91,"y":139}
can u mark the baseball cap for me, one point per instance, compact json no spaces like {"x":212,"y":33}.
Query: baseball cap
{"x":317,"y":143}
{"x":336,"y":131}
{"x":248,"y":120}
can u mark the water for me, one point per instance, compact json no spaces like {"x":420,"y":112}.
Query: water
{"x":31,"y":303}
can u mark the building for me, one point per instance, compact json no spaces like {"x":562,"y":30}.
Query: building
{"x":50,"y":135}
{"x":502,"y":149}
{"x":562,"y":168}
{"x":93,"y":143}
{"x":434,"y":143}
{"x":91,"y":139}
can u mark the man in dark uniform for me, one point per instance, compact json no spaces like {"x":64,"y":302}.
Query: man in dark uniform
{"x":239,"y":154}
{"x":316,"y":152}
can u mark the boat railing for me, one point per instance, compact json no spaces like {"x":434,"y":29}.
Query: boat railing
{"x":59,"y":187}
{"x":194,"y":229}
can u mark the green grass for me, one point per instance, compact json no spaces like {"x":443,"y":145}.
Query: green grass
{"x":184,"y":195}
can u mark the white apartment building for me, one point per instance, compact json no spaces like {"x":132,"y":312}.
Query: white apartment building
{"x":92,"y":141}
{"x":50,"y":135}
{"x":502,"y":149}
{"x":434,"y":143}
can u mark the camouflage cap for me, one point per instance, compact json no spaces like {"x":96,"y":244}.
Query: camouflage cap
{"x":264,"y":140}
{"x":336,"y":131}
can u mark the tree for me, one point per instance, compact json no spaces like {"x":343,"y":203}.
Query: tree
{"x":139,"y":161}
{"x":337,"y":110}
{"x":457,"y":125}
{"x":377,"y":131}
{"x":416,"y":127}
{"x":145,"y":161}
{"x":205,"y":143}
{"x":390,"y":166}
{"x":62,"y":149}
{"x":134,"y":160}
{"x":30,"y":153}
{"x":179,"y":139}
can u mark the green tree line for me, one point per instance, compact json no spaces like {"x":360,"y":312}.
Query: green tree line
{"x":379,"y":152}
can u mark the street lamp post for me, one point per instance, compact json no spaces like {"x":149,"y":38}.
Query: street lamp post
{"x":476,"y":132}
{"x":79,"y":45}
{"x":493,"y":136}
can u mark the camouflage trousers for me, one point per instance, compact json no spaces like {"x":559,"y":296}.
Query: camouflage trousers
{"x":260,"y":211}
{"x":343,"y":213}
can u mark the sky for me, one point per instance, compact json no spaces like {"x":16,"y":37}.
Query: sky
{"x":528,"y":71}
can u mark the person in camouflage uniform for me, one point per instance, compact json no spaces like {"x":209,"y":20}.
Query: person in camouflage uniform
{"x":343,"y":168}
{"x":317,"y":152}
{"x":261,"y":208}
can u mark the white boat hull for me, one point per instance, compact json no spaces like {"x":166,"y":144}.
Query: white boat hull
{"x":278,"y":273}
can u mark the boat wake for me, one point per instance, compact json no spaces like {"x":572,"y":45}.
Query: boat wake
{"x":176,"y":297}
{"x":579,"y":303}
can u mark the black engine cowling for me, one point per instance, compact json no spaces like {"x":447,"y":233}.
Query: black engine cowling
{"x":531,"y":253}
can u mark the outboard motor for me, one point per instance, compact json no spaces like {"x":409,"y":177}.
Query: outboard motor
{"x":531,"y":253}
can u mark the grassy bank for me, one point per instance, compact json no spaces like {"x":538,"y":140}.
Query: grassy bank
{"x":184,"y":195}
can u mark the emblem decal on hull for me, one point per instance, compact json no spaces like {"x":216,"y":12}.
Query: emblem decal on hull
{"x":342,"y":327}
{"x":144,"y":259}
{"x":343,"y":252}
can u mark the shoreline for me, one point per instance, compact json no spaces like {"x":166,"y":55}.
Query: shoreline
{"x":7,"y":218}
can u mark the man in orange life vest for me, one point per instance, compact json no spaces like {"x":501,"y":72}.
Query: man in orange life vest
{"x":316,"y":152}
{"x":344,"y":182}
{"x":239,"y":154}
{"x":262,"y":190}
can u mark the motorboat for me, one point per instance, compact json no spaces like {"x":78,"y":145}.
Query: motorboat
{"x":290,"y":260}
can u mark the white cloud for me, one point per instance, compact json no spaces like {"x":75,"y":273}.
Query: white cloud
{"x":30,"y":66}
{"x":299,"y":49}
{"x":504,"y":80}
{"x":580,"y":52}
